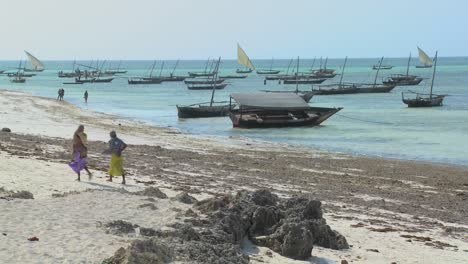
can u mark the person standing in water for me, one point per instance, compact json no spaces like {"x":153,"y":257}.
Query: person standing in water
{"x":116,"y":146}
{"x":86,"y":96}
{"x":80,"y":152}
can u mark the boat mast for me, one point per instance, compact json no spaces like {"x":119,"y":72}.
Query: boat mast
{"x":377,"y":73}
{"x":162,"y":67}
{"x":407,"y":67}
{"x":175,"y":66}
{"x":325,"y":66}
{"x":320,"y":63}
{"x":152,"y":68}
{"x":433,"y":75}
{"x":206,"y":65}
{"x":313,"y":63}
{"x":297,"y":75}
{"x":289,"y":65}
{"x":342,"y":72}
{"x":213,"y":81}
{"x":271,"y":65}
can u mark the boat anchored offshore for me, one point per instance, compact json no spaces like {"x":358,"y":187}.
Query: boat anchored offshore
{"x":146,"y":80}
{"x":337,"y":88}
{"x":266,"y":110}
{"x":209,"y":109}
{"x":268,"y":71}
{"x":244,"y":60}
{"x":424,"y":59}
{"x":403,"y":79}
{"x":424,"y":100}
{"x":37,"y":65}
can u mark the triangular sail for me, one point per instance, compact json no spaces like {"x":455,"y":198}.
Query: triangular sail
{"x":423,"y":58}
{"x":243,"y":59}
{"x":36,"y":63}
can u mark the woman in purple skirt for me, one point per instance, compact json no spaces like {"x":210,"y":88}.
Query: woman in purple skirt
{"x":80,"y":152}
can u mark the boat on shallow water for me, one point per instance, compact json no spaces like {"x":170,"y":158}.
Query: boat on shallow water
{"x":209,"y":109}
{"x":244,"y":60}
{"x":267,"y":110}
{"x":204,"y":81}
{"x":233,"y":76}
{"x":244,"y":71}
{"x":383,"y":67}
{"x":217,"y":86}
{"x":304,"y":81}
{"x":403,"y":79}
{"x":413,"y":99}
{"x":144,"y":80}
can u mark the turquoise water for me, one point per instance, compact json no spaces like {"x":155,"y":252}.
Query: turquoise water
{"x":373,"y":124}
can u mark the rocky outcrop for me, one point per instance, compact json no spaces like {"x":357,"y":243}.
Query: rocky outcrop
{"x":290,"y":227}
{"x":185,"y":198}
{"x":152,"y":192}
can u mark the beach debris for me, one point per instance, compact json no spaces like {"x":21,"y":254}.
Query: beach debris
{"x":6,"y":129}
{"x":148,"y":205}
{"x":152,"y":192}
{"x":10,"y":195}
{"x":33,"y":238}
{"x":373,"y":250}
{"x":120,"y":227}
{"x":5,"y":234}
{"x":185,"y":198}
{"x":344,"y":261}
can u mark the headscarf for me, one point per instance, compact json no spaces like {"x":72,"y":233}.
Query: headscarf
{"x":80,"y":141}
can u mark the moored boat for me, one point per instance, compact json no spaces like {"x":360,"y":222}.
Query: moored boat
{"x":424,"y":59}
{"x":204,"y":81}
{"x":37,"y":65}
{"x":233,"y":76}
{"x":424,"y":100}
{"x":244,"y":60}
{"x":267,"y":110}
{"x":217,"y":86}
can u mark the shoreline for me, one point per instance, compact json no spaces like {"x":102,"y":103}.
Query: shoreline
{"x":222,"y":139}
{"x":380,"y":205}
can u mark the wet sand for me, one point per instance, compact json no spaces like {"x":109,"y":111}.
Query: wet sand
{"x":367,"y":199}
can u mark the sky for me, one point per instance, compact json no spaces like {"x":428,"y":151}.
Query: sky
{"x":197,"y":29}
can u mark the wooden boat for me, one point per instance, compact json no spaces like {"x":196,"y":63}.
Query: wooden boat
{"x":233,"y":76}
{"x":145,"y":80}
{"x":204,"y":81}
{"x":200,"y":74}
{"x":172,"y":78}
{"x":94,"y":80}
{"x":268,"y":71}
{"x":116,"y":71}
{"x":70,"y":83}
{"x":424,"y":100}
{"x":403,"y":79}
{"x":323,"y":72}
{"x":383,"y":67}
{"x":304,"y":81}
{"x":266,"y":110}
{"x":2,"y":71}
{"x":244,"y":71}
{"x":374,"y":88}
{"x":334,"y":89}
{"x":339,"y":88}
{"x":37,"y":65}
{"x":207,"y":86}
{"x":18,"y":77}
{"x":14,"y":74}
{"x":244,"y":60}
{"x":424,"y":59}
{"x":263,"y":72}
{"x":209,"y":109}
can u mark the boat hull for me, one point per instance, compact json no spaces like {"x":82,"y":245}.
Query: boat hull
{"x":425,"y":101}
{"x":243,"y":71}
{"x":404,"y":82}
{"x":200,"y":74}
{"x":375,"y":89}
{"x":262,"y":72}
{"x":203,"y":81}
{"x":206,"y":87}
{"x":201,"y":111}
{"x":423,"y":66}
{"x":280,"y":118}
{"x":233,"y":76}
{"x":304,"y":81}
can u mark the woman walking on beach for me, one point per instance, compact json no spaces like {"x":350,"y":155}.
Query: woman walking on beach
{"x":116,"y":146}
{"x":80,"y":152}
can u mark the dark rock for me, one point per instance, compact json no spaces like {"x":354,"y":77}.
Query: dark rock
{"x":344,"y":261}
{"x":21,"y":195}
{"x":149,"y":251}
{"x":303,"y":208}
{"x":185,"y":198}
{"x":120,"y":227}
{"x":6,"y":129}
{"x":152,"y":192}
{"x":213,"y":204}
{"x":259,"y":197}
{"x":148,"y":205}
{"x":190,"y":213}
{"x":149,"y":232}
{"x":263,"y":219}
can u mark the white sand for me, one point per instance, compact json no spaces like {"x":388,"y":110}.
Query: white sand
{"x":69,"y":228}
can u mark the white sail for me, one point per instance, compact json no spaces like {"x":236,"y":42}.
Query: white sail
{"x":35,"y":62}
{"x":423,"y":58}
{"x":243,"y":59}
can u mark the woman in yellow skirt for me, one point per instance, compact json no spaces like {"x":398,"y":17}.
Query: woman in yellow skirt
{"x":116,"y":146}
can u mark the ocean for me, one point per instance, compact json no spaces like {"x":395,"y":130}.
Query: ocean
{"x":370,"y":124}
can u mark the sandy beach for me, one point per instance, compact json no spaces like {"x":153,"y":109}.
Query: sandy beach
{"x":389,"y":211}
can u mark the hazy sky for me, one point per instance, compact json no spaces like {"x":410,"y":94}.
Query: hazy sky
{"x":197,"y":29}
